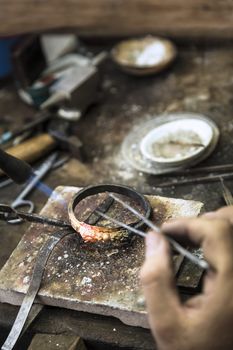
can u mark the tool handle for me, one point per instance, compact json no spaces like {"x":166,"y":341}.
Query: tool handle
{"x":18,"y":170}
{"x":30,"y":151}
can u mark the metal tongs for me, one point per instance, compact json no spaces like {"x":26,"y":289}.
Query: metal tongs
{"x":7,"y":213}
{"x":176,"y":246}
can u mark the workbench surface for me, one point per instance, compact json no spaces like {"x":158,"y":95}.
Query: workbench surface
{"x":199,"y":81}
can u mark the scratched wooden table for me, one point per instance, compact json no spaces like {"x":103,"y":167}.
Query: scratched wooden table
{"x":199,"y":81}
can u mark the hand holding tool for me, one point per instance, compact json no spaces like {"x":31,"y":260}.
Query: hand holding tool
{"x":201,"y":263}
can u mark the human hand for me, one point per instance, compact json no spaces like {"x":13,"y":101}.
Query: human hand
{"x":222,"y":213}
{"x":204,"y":322}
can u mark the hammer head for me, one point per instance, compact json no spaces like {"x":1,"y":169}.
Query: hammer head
{"x":71,"y":144}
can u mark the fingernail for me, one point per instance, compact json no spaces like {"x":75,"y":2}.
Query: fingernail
{"x":153,"y":241}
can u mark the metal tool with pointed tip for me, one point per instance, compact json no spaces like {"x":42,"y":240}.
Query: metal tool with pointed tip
{"x":181,"y":250}
{"x":226,"y":193}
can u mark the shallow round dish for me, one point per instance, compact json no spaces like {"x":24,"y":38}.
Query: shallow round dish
{"x":131,"y":146}
{"x":176,"y":142}
{"x":144,"y":56}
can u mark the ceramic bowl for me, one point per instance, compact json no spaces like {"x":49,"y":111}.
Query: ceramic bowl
{"x":177,"y":142}
{"x":144,"y":56}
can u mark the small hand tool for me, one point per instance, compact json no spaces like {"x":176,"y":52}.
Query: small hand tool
{"x":20,"y":201}
{"x":205,"y":169}
{"x":181,"y":250}
{"x":8,"y":213}
{"x":60,"y":162}
{"x":37,"y":120}
{"x":68,"y":143}
{"x":18,"y":170}
{"x":226,"y":193}
{"x":78,"y":88}
{"x":201,"y":179}
{"x":29,"y":151}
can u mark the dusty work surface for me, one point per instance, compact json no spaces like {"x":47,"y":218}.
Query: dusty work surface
{"x":97,"y":281}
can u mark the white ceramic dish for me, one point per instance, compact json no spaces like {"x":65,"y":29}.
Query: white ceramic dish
{"x":131,"y":146}
{"x":176,"y":142}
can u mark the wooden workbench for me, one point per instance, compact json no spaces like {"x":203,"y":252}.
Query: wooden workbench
{"x":175,"y":18}
{"x":200,"y":81}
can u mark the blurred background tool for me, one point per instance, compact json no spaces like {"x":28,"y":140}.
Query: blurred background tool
{"x":77,"y":87}
{"x":57,"y":135}
{"x":226,"y":193}
{"x":195,"y":180}
{"x":32,"y":149}
{"x":61,"y":132}
{"x":21,"y":172}
{"x":7,"y":213}
{"x":34,"y":179}
{"x":28,"y":127}
{"x":69,"y":83}
{"x":15,"y":168}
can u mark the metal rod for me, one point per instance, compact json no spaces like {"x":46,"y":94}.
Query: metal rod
{"x":202,"y":263}
{"x":226,"y":193}
{"x":202,"y":179}
{"x":122,"y":224}
{"x":205,"y":169}
{"x":6,"y":182}
{"x":102,"y":208}
{"x":8,"y":213}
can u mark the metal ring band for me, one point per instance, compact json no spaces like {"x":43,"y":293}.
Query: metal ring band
{"x":101,"y":233}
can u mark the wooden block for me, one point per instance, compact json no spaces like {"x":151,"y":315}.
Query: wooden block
{"x":56,"y":342}
{"x":174,"y":18}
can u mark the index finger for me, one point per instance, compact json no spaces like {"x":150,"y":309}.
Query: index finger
{"x":157,"y":278}
{"x":215,"y":236}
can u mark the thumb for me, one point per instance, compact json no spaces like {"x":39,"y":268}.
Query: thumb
{"x":157,"y":278}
